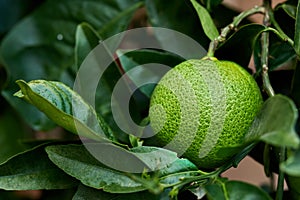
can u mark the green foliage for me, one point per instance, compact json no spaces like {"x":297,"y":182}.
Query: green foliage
{"x":57,"y":100}
{"x":32,"y":170}
{"x":207,"y":23}
{"x":271,"y":128}
{"x":79,"y":163}
{"x":45,"y":47}
{"x":44,"y":44}
{"x":235,"y":190}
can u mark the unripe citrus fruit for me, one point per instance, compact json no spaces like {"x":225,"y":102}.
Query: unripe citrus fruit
{"x":202,"y":109}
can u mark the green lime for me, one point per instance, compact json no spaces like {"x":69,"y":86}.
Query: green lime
{"x":202,"y":109}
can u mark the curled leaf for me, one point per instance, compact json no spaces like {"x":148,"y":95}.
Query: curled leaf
{"x":59,"y":103}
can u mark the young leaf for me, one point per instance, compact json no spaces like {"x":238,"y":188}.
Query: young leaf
{"x":275,"y":123}
{"x":32,"y":170}
{"x":76,"y":161}
{"x":297,"y":31}
{"x":206,"y":21}
{"x":292,"y":165}
{"x":58,"y":102}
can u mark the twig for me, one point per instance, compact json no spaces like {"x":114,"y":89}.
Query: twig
{"x":227,"y":29}
{"x":266,"y":81}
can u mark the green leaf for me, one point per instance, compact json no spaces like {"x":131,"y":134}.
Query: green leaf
{"x":134,"y":59}
{"x":84,"y":193}
{"x":235,"y":190}
{"x":297,"y":31}
{"x":275,"y":123}
{"x":155,"y":158}
{"x":64,"y":107}
{"x":239,"y":47}
{"x":45,"y":49}
{"x":86,"y":40}
{"x":292,"y":165}
{"x":169,"y":15}
{"x":289,"y":9}
{"x":76,"y":161}
{"x":32,"y":170}
{"x":179,"y":165}
{"x":215,"y":191}
{"x":206,"y":21}
{"x":176,"y":171}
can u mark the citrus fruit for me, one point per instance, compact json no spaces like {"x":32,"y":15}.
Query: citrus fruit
{"x":202,"y":109}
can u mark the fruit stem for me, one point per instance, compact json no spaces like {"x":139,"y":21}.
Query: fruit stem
{"x":232,"y":26}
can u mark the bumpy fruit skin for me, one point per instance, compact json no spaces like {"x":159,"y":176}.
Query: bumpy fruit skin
{"x":220,"y":97}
